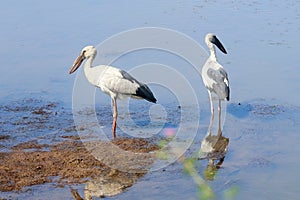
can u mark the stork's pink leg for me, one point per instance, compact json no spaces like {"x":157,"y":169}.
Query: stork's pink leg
{"x":211,"y":110}
{"x":115,"y":115}
{"x":219,"y":113}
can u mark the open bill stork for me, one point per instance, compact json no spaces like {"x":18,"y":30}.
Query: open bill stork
{"x":215,"y":77}
{"x":112,"y":81}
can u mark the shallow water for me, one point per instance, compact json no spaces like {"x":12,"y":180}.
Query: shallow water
{"x":261,"y":159}
{"x":40,"y":40}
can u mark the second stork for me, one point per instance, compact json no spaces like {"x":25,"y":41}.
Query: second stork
{"x":215,"y":77}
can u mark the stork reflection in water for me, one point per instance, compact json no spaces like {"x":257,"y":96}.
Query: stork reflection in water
{"x":213,"y":148}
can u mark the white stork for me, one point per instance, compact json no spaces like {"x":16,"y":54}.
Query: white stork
{"x":112,"y":81}
{"x":215,"y":77}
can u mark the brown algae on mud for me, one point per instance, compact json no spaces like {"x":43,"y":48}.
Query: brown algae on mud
{"x":64,"y":163}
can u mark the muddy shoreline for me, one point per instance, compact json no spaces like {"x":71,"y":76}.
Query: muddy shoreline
{"x":64,"y":163}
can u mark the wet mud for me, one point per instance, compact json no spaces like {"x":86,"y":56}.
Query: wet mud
{"x":65,"y":163}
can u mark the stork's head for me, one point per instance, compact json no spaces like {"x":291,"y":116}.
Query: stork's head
{"x":86,"y":52}
{"x":211,"y":39}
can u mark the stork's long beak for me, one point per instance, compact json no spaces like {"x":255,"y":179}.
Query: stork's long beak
{"x":217,"y":42}
{"x":77,"y":63}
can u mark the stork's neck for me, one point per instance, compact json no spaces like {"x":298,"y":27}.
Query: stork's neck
{"x":89,"y":62}
{"x":88,"y":70}
{"x":212,"y":53}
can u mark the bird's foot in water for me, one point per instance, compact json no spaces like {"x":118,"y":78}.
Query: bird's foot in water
{"x":219,"y":132}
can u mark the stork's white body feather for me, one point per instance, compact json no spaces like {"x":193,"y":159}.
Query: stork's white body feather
{"x":215,"y":78}
{"x":209,"y":64}
{"x":113,"y":81}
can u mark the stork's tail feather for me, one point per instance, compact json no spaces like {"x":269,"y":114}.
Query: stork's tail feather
{"x":228,"y":94}
{"x":144,"y":92}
